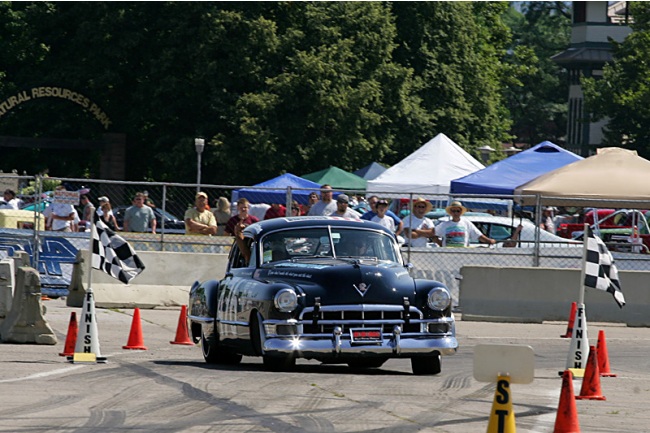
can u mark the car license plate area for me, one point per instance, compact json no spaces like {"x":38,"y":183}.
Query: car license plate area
{"x":366,"y":336}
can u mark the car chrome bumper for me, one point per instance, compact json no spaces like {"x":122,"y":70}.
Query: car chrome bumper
{"x":391,"y":345}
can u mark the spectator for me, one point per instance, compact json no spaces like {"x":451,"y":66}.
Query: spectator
{"x":242,"y":219}
{"x":87,"y":207}
{"x":417,"y":227}
{"x":326,"y":206}
{"x":295,"y":209}
{"x":313,"y":199}
{"x":199,"y":220}
{"x":342,"y":209}
{"x":381,"y":218}
{"x":147,"y":200}
{"x":9,"y":200}
{"x":222,"y":214}
{"x":60,"y":216}
{"x":105,"y":213}
{"x":138,"y":217}
{"x":457,"y":232}
{"x":275,"y":211}
{"x":547,"y":220}
{"x":372,"y":201}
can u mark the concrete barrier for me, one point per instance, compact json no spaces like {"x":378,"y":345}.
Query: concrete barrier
{"x":534,"y":295}
{"x":25,"y":323}
{"x":165,"y":281}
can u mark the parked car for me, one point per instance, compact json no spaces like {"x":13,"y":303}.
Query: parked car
{"x":173,"y":224}
{"x":501,"y":229}
{"x":330,"y":289}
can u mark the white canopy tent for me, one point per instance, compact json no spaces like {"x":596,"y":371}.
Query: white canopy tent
{"x":428,"y":171}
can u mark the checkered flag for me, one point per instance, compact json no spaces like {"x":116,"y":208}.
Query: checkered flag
{"x":113,"y":255}
{"x":600,"y":270}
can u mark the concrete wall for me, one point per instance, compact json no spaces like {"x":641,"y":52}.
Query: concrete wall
{"x":534,"y":295}
{"x":166,"y":280}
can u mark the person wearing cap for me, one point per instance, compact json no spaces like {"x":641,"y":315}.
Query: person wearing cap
{"x":138,"y":218}
{"x":9,"y":200}
{"x":275,"y":211}
{"x":326,"y":205}
{"x":199,"y":220}
{"x":342,"y":209}
{"x":418,"y":229}
{"x":381,"y":218}
{"x":105,"y":213}
{"x":372,"y":202}
{"x":458,"y":232}
{"x":547,"y":220}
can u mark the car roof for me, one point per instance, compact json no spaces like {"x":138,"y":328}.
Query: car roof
{"x":265,"y":226}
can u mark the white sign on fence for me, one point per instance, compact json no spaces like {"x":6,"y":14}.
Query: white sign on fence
{"x":66,"y":197}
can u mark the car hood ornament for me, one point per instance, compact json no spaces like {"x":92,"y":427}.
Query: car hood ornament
{"x":362,"y":288}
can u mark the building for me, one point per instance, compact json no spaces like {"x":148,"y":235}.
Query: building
{"x":593,"y":23}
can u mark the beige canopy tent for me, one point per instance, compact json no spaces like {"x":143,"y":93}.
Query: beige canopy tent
{"x":614,"y":177}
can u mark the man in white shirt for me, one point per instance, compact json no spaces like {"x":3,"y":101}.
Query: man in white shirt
{"x":9,"y":200}
{"x":60,"y":216}
{"x":326,"y":205}
{"x":417,"y":227}
{"x":342,"y":209}
{"x":458,"y":232}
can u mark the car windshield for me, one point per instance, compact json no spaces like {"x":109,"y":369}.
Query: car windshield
{"x":318,"y":242}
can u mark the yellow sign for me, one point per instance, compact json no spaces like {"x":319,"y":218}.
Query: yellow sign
{"x":55,"y":92}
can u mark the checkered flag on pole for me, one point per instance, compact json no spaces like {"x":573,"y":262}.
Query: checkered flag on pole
{"x":600,"y":271}
{"x":112,"y":254}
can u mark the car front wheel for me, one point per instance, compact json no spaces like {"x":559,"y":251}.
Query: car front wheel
{"x":215,"y":353}
{"x":426,"y":365}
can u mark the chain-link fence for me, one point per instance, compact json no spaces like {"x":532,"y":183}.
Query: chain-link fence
{"x":625,"y":231}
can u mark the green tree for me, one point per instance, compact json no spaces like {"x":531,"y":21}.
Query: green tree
{"x":622,"y":96}
{"x":537,"y":89}
{"x":455,"y":50}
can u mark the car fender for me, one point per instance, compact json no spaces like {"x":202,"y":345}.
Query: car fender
{"x":203,"y":299}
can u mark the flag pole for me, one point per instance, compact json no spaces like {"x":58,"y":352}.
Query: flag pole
{"x":585,"y":239}
{"x":90,"y":252}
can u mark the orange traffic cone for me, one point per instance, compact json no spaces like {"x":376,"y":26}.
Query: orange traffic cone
{"x":566,"y":420}
{"x":603,"y":358}
{"x":591,"y":382}
{"x":572,"y":315}
{"x":135,"y":337}
{"x":71,"y":338}
{"x":182,"y":335}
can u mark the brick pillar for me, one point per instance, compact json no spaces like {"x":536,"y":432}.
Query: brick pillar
{"x":113,"y":160}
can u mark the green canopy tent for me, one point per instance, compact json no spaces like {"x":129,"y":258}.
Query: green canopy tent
{"x":337,"y":178}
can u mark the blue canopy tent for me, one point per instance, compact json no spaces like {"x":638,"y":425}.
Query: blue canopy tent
{"x":370,"y":171}
{"x":275,"y":190}
{"x":501,"y":178}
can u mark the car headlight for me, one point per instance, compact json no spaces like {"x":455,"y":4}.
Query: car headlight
{"x":438,"y":299}
{"x":286,"y":300}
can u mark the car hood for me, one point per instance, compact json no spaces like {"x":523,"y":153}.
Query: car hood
{"x":342,"y":282}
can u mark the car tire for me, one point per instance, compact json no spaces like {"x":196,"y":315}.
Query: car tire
{"x":366,"y":363}
{"x":215,"y":353}
{"x":426,"y":365}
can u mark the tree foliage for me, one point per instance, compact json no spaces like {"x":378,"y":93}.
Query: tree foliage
{"x":537,"y":91}
{"x":623,"y":94}
{"x":271,"y":86}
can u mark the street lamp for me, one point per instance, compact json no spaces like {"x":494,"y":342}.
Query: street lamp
{"x":485,"y":152}
{"x":199,"y":144}
{"x":511,"y":150}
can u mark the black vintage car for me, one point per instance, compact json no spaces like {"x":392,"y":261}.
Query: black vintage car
{"x":325,"y":288}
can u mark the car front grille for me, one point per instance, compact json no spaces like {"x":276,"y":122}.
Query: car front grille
{"x":347,"y":317}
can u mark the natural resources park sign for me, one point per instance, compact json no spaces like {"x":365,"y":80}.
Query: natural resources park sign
{"x":55,"y":92}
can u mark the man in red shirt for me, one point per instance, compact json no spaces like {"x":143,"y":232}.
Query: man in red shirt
{"x":275,"y":211}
